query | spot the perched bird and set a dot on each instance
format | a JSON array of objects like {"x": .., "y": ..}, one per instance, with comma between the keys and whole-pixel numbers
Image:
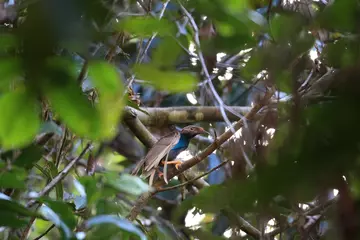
[{"x": 165, "y": 150}]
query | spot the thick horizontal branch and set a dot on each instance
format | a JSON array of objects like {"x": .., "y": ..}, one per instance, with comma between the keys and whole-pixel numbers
[
  {"x": 195, "y": 160},
  {"x": 220, "y": 140},
  {"x": 176, "y": 115}
]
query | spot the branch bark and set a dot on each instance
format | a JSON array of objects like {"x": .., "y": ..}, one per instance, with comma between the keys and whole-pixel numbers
[
  {"x": 141, "y": 202},
  {"x": 140, "y": 131},
  {"x": 176, "y": 115},
  {"x": 60, "y": 176}
]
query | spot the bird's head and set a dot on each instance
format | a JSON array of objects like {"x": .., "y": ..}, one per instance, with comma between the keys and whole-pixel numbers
[{"x": 192, "y": 130}]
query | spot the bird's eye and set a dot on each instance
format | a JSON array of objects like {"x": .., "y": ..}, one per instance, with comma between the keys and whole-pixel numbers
[{"x": 192, "y": 129}]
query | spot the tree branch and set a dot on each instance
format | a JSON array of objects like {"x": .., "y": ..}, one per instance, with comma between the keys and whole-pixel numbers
[
  {"x": 141, "y": 202},
  {"x": 132, "y": 121},
  {"x": 192, "y": 114},
  {"x": 60, "y": 176},
  {"x": 221, "y": 139}
]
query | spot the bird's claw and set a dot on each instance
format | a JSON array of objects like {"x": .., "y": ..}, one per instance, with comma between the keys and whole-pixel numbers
[{"x": 177, "y": 166}]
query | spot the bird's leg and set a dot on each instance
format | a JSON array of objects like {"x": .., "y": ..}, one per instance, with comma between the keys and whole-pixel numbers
[
  {"x": 160, "y": 173},
  {"x": 177, "y": 163}
]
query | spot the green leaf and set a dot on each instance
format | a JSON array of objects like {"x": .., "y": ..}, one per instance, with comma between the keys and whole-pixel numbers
[
  {"x": 105, "y": 77},
  {"x": 107, "y": 80},
  {"x": 284, "y": 81},
  {"x": 75, "y": 110},
  {"x": 52, "y": 216},
  {"x": 171, "y": 81},
  {"x": 63, "y": 210},
  {"x": 254, "y": 65},
  {"x": 11, "y": 219},
  {"x": 342, "y": 53},
  {"x": 146, "y": 26},
  {"x": 10, "y": 69},
  {"x": 8, "y": 41},
  {"x": 92, "y": 191},
  {"x": 340, "y": 15},
  {"x": 127, "y": 183},
  {"x": 19, "y": 120},
  {"x": 121, "y": 223},
  {"x": 14, "y": 207},
  {"x": 166, "y": 54},
  {"x": 28, "y": 157},
  {"x": 14, "y": 178},
  {"x": 58, "y": 187},
  {"x": 236, "y": 6},
  {"x": 285, "y": 26}
]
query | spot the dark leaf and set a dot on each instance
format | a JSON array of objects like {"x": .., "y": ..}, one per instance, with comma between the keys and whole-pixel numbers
[{"x": 28, "y": 157}]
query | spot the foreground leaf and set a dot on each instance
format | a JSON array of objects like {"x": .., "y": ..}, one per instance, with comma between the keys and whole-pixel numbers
[
  {"x": 107, "y": 80},
  {"x": 146, "y": 26},
  {"x": 19, "y": 120},
  {"x": 127, "y": 183},
  {"x": 171, "y": 81}
]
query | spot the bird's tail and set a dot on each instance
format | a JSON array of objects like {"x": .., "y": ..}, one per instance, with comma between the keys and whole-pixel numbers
[{"x": 137, "y": 168}]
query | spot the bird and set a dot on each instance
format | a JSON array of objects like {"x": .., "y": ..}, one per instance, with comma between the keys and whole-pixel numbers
[{"x": 165, "y": 151}]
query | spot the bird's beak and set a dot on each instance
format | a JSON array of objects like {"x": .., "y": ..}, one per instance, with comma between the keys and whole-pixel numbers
[{"x": 202, "y": 131}]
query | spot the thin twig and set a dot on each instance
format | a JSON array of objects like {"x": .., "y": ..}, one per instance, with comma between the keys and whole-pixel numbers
[
  {"x": 44, "y": 233},
  {"x": 143, "y": 53},
  {"x": 192, "y": 180},
  {"x": 203, "y": 65},
  {"x": 60, "y": 176},
  {"x": 58, "y": 157},
  {"x": 144, "y": 198}
]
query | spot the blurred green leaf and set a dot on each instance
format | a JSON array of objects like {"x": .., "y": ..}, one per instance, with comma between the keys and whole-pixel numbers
[
  {"x": 146, "y": 26},
  {"x": 91, "y": 189},
  {"x": 29, "y": 156},
  {"x": 105, "y": 78},
  {"x": 286, "y": 26},
  {"x": 235, "y": 6},
  {"x": 81, "y": 117},
  {"x": 127, "y": 183},
  {"x": 121, "y": 223},
  {"x": 10, "y": 70},
  {"x": 163, "y": 58},
  {"x": 20, "y": 119},
  {"x": 8, "y": 41},
  {"x": 11, "y": 219},
  {"x": 303, "y": 43},
  {"x": 254, "y": 65},
  {"x": 14, "y": 178},
  {"x": 341, "y": 15},
  {"x": 109, "y": 84},
  {"x": 342, "y": 53},
  {"x": 171, "y": 81},
  {"x": 284, "y": 81},
  {"x": 58, "y": 187},
  {"x": 14, "y": 207},
  {"x": 56, "y": 219},
  {"x": 63, "y": 210}
]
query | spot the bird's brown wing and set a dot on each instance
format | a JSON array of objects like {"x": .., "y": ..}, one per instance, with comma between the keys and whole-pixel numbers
[
  {"x": 156, "y": 153},
  {"x": 160, "y": 150}
]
